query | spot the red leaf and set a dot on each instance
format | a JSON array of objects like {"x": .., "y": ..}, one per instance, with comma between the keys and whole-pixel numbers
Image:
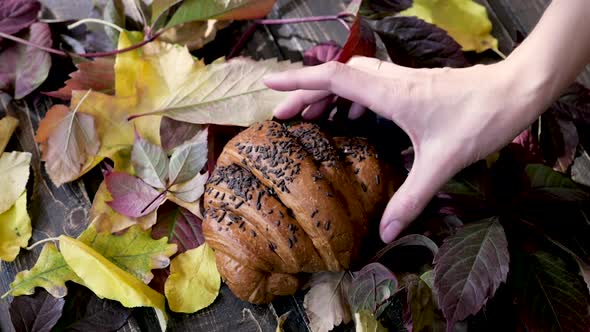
[
  {"x": 361, "y": 41},
  {"x": 322, "y": 53},
  {"x": 131, "y": 196},
  {"x": 469, "y": 268},
  {"x": 98, "y": 75},
  {"x": 16, "y": 15},
  {"x": 530, "y": 144},
  {"x": 180, "y": 226},
  {"x": 411, "y": 42}
]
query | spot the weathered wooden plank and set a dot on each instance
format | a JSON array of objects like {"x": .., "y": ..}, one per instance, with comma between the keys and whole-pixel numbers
[{"x": 522, "y": 16}]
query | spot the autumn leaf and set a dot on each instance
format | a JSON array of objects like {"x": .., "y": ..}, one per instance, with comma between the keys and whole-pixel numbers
[
  {"x": 97, "y": 75},
  {"x": 68, "y": 10},
  {"x": 37, "y": 313},
  {"x": 14, "y": 167},
  {"x": 370, "y": 289},
  {"x": 411, "y": 42},
  {"x": 49, "y": 272},
  {"x": 559, "y": 141},
  {"x": 364, "y": 321},
  {"x": 16, "y": 15},
  {"x": 325, "y": 303},
  {"x": 469, "y": 268},
  {"x": 212, "y": 94},
  {"x": 194, "y": 281},
  {"x": 68, "y": 139},
  {"x": 202, "y": 10},
  {"x": 109, "y": 281},
  {"x": 193, "y": 35},
  {"x": 135, "y": 251},
  {"x": 180, "y": 226},
  {"x": 109, "y": 220},
  {"x": 8, "y": 125},
  {"x": 188, "y": 159},
  {"x": 189, "y": 191},
  {"x": 550, "y": 295},
  {"x": 465, "y": 20},
  {"x": 408, "y": 240},
  {"x": 424, "y": 311},
  {"x": 131, "y": 196},
  {"x": 551, "y": 186},
  {"x": 174, "y": 133},
  {"x": 150, "y": 162},
  {"x": 15, "y": 229},
  {"x": 361, "y": 41}
]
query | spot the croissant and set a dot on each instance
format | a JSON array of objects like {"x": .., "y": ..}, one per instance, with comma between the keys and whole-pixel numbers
[{"x": 289, "y": 200}]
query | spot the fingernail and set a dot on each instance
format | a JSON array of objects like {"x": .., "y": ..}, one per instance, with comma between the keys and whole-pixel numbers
[{"x": 390, "y": 231}]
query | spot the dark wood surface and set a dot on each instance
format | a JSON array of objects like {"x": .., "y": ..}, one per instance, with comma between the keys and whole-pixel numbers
[{"x": 64, "y": 210}]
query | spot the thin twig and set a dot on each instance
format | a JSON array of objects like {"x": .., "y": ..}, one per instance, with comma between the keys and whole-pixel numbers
[
  {"x": 245, "y": 37},
  {"x": 51, "y": 239}
]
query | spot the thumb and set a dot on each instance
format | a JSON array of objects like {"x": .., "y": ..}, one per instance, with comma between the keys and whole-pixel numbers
[{"x": 424, "y": 180}]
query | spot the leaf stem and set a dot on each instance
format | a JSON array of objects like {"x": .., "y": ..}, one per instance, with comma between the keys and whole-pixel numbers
[
  {"x": 157, "y": 197},
  {"x": 51, "y": 239},
  {"x": 95, "y": 20},
  {"x": 83, "y": 55}
]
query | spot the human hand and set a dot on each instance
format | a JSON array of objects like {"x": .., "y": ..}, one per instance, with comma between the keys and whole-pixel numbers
[{"x": 453, "y": 117}]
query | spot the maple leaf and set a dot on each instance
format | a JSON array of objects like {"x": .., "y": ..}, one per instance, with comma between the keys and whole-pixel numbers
[
  {"x": 97, "y": 75},
  {"x": 7, "y": 126},
  {"x": 68, "y": 139},
  {"x": 14, "y": 167},
  {"x": 202, "y": 10},
  {"x": 16, "y": 15},
  {"x": 180, "y": 226},
  {"x": 411, "y": 42},
  {"x": 24, "y": 68},
  {"x": 49, "y": 272},
  {"x": 39, "y": 312},
  {"x": 469, "y": 268},
  {"x": 15, "y": 229},
  {"x": 194, "y": 281},
  {"x": 465, "y": 20},
  {"x": 325, "y": 303},
  {"x": 109, "y": 281}
]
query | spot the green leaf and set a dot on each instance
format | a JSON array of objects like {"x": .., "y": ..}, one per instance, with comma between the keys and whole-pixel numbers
[
  {"x": 469, "y": 268},
  {"x": 194, "y": 281},
  {"x": 426, "y": 315},
  {"x": 547, "y": 184},
  {"x": 14, "y": 170},
  {"x": 188, "y": 159},
  {"x": 135, "y": 251},
  {"x": 150, "y": 162},
  {"x": 364, "y": 321},
  {"x": 551, "y": 294},
  {"x": 15, "y": 229},
  {"x": 49, "y": 272},
  {"x": 201, "y": 10}
]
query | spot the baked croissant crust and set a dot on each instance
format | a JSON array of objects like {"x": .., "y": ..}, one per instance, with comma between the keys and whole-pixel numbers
[{"x": 284, "y": 201}]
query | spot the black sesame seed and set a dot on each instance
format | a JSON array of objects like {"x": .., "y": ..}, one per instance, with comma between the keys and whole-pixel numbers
[
  {"x": 237, "y": 206},
  {"x": 327, "y": 226},
  {"x": 364, "y": 186},
  {"x": 314, "y": 213},
  {"x": 290, "y": 243},
  {"x": 216, "y": 194},
  {"x": 253, "y": 233},
  {"x": 377, "y": 179},
  {"x": 318, "y": 224}
]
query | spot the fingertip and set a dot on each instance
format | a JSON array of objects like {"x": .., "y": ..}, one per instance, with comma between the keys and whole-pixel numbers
[
  {"x": 389, "y": 230},
  {"x": 356, "y": 111},
  {"x": 274, "y": 81}
]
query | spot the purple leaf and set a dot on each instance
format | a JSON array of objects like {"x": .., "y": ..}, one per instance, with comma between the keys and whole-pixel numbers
[
  {"x": 408, "y": 240},
  {"x": 322, "y": 53},
  {"x": 84, "y": 311},
  {"x": 411, "y": 42},
  {"x": 371, "y": 287},
  {"x": 574, "y": 104},
  {"x": 131, "y": 196},
  {"x": 150, "y": 162},
  {"x": 469, "y": 268},
  {"x": 174, "y": 133},
  {"x": 36, "y": 313},
  {"x": 550, "y": 294},
  {"x": 361, "y": 41},
  {"x": 16, "y": 15},
  {"x": 24, "y": 68},
  {"x": 559, "y": 141},
  {"x": 180, "y": 226}
]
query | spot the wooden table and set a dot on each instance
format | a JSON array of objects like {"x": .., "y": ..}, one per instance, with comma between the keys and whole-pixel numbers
[{"x": 56, "y": 211}]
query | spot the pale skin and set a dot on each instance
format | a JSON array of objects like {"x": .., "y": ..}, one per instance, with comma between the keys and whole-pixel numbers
[{"x": 454, "y": 117}]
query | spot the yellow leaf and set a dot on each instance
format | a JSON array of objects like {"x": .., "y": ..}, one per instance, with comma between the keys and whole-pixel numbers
[
  {"x": 365, "y": 322},
  {"x": 7, "y": 126},
  {"x": 109, "y": 220},
  {"x": 194, "y": 281},
  {"x": 107, "y": 280},
  {"x": 15, "y": 228},
  {"x": 14, "y": 175},
  {"x": 465, "y": 20},
  {"x": 135, "y": 251},
  {"x": 50, "y": 272}
]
